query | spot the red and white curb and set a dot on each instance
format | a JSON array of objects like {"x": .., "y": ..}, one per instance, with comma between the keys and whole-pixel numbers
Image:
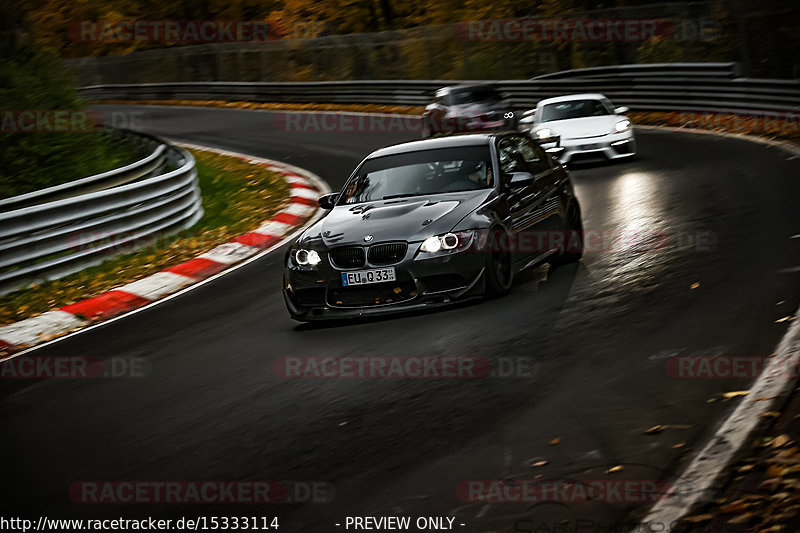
[{"x": 303, "y": 209}]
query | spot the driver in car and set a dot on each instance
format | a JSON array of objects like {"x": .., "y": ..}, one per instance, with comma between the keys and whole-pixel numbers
[{"x": 480, "y": 173}]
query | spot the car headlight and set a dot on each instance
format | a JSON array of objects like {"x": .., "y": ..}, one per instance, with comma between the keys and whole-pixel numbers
[
  {"x": 453, "y": 241},
  {"x": 306, "y": 257},
  {"x": 543, "y": 133},
  {"x": 622, "y": 125}
]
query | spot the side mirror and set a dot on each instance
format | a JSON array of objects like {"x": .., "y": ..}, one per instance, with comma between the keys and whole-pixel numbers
[
  {"x": 556, "y": 152},
  {"x": 529, "y": 113},
  {"x": 547, "y": 140},
  {"x": 328, "y": 201},
  {"x": 520, "y": 179},
  {"x": 621, "y": 110}
]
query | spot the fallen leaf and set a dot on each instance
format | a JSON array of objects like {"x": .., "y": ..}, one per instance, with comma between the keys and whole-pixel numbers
[
  {"x": 734, "y": 394},
  {"x": 745, "y": 468},
  {"x": 770, "y": 414},
  {"x": 774, "y": 471},
  {"x": 697, "y": 518},
  {"x": 555, "y": 441},
  {"x": 538, "y": 464},
  {"x": 785, "y": 319},
  {"x": 779, "y": 441},
  {"x": 737, "y": 506},
  {"x": 655, "y": 430},
  {"x": 694, "y": 285},
  {"x": 614, "y": 469},
  {"x": 679, "y": 445},
  {"x": 741, "y": 519},
  {"x": 342, "y": 423}
]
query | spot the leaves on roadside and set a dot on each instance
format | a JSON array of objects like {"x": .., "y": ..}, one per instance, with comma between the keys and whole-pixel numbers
[
  {"x": 735, "y": 394},
  {"x": 614, "y": 469},
  {"x": 655, "y": 430},
  {"x": 697, "y": 518},
  {"x": 555, "y": 441},
  {"x": 780, "y": 440}
]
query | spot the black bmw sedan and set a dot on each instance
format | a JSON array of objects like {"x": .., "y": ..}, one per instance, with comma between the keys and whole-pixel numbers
[{"x": 430, "y": 222}]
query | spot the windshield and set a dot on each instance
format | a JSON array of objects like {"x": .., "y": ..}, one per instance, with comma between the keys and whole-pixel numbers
[
  {"x": 475, "y": 94},
  {"x": 573, "y": 109},
  {"x": 443, "y": 170}
]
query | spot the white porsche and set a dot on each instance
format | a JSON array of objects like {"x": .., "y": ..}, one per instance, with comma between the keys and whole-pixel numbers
[{"x": 587, "y": 124}]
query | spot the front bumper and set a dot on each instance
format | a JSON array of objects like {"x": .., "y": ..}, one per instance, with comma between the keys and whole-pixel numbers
[
  {"x": 318, "y": 294},
  {"x": 610, "y": 146}
]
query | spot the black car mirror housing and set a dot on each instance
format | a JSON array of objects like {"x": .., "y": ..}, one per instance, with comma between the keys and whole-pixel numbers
[
  {"x": 328, "y": 201},
  {"x": 520, "y": 179}
]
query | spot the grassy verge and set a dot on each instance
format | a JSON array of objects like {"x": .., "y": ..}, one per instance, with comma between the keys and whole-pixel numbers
[
  {"x": 778, "y": 128},
  {"x": 237, "y": 197},
  {"x": 353, "y": 108}
]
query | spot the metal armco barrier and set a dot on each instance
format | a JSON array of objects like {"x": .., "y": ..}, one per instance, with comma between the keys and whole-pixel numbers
[
  {"x": 78, "y": 224},
  {"x": 661, "y": 87}
]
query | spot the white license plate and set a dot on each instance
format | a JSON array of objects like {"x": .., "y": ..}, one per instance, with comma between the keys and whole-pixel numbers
[
  {"x": 364, "y": 277},
  {"x": 589, "y": 146}
]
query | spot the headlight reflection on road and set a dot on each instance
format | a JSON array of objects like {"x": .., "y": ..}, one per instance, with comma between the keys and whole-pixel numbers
[{"x": 636, "y": 202}]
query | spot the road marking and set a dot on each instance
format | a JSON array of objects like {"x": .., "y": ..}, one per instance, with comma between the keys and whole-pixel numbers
[
  {"x": 274, "y": 228},
  {"x": 32, "y": 330},
  {"x": 157, "y": 285},
  {"x": 299, "y": 210},
  {"x": 709, "y": 467},
  {"x": 229, "y": 253},
  {"x": 305, "y": 193}
]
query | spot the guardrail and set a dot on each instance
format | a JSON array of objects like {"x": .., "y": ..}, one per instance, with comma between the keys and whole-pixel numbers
[
  {"x": 119, "y": 176},
  {"x": 673, "y": 87},
  {"x": 683, "y": 70},
  {"x": 122, "y": 208}
]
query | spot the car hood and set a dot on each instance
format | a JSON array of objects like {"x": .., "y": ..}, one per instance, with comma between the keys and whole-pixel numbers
[
  {"x": 402, "y": 219},
  {"x": 578, "y": 128}
]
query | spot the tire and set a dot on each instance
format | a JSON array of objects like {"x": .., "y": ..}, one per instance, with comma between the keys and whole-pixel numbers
[
  {"x": 573, "y": 242},
  {"x": 499, "y": 271}
]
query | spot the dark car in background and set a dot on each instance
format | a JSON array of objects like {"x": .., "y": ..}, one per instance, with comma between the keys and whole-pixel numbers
[
  {"x": 468, "y": 107},
  {"x": 431, "y": 222}
]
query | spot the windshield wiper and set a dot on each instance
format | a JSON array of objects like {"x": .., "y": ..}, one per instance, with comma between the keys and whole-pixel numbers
[{"x": 403, "y": 195}]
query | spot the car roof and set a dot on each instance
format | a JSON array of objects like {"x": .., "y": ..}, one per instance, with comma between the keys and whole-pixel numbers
[
  {"x": 446, "y": 141},
  {"x": 570, "y": 97},
  {"x": 462, "y": 86}
]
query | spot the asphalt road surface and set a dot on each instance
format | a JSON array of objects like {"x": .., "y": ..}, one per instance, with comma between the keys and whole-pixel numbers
[{"x": 589, "y": 346}]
